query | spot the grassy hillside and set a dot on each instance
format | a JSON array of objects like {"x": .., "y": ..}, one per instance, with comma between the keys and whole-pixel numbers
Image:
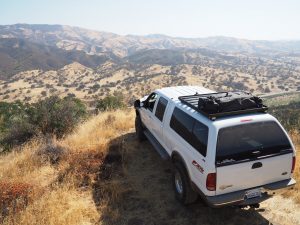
[
  {"x": 286, "y": 108},
  {"x": 17, "y": 55},
  {"x": 134, "y": 79},
  {"x": 100, "y": 174},
  {"x": 51, "y": 182}
]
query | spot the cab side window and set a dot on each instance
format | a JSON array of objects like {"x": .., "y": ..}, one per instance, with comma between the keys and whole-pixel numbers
[
  {"x": 161, "y": 107},
  {"x": 182, "y": 124},
  {"x": 192, "y": 131},
  {"x": 200, "y": 137},
  {"x": 151, "y": 101}
]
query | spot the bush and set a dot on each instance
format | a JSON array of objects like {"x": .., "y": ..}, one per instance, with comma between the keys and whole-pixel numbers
[
  {"x": 95, "y": 87},
  {"x": 9, "y": 111},
  {"x": 15, "y": 126},
  {"x": 57, "y": 116},
  {"x": 53, "y": 115},
  {"x": 110, "y": 103},
  {"x": 19, "y": 131}
]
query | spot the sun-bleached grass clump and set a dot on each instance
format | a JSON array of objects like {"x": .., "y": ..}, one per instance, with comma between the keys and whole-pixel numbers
[{"x": 95, "y": 134}]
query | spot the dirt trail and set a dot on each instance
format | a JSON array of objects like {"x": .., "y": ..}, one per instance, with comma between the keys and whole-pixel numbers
[
  {"x": 147, "y": 197},
  {"x": 281, "y": 210}
]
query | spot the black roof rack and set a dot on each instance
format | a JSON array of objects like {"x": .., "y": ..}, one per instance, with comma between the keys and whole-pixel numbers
[{"x": 192, "y": 101}]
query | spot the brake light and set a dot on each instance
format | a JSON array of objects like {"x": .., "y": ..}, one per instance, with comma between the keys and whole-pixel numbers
[
  {"x": 211, "y": 181},
  {"x": 293, "y": 164},
  {"x": 246, "y": 120}
]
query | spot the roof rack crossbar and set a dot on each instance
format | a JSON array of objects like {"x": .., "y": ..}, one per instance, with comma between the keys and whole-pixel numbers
[{"x": 192, "y": 102}]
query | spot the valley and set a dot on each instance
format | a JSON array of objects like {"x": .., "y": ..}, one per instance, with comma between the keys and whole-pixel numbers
[{"x": 36, "y": 62}]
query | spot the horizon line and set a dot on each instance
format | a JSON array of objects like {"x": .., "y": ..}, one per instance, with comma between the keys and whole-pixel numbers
[{"x": 153, "y": 34}]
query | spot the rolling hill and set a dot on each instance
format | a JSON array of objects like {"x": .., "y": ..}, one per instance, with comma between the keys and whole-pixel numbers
[
  {"x": 17, "y": 55},
  {"x": 42, "y": 60}
]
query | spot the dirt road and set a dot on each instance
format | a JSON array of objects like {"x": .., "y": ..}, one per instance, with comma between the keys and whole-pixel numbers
[{"x": 139, "y": 183}]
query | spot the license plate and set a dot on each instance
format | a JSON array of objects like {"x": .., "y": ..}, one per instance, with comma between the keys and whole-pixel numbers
[{"x": 253, "y": 193}]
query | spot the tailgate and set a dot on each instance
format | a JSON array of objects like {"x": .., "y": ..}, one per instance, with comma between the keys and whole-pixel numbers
[{"x": 255, "y": 173}]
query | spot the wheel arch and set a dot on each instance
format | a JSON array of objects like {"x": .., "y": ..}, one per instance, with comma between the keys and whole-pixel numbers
[{"x": 176, "y": 157}]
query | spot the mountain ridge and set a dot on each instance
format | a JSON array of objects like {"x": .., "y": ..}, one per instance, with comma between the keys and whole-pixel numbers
[
  {"x": 97, "y": 42},
  {"x": 38, "y": 61}
]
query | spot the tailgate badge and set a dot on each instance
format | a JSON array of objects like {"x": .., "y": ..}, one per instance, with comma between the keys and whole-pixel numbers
[{"x": 223, "y": 187}]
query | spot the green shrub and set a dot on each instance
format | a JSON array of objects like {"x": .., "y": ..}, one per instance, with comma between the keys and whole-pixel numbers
[
  {"x": 57, "y": 116},
  {"x": 110, "y": 103},
  {"x": 19, "y": 131},
  {"x": 15, "y": 126},
  {"x": 53, "y": 115}
]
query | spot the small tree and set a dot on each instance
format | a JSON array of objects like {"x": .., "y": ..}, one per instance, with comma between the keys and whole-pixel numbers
[
  {"x": 110, "y": 103},
  {"x": 44, "y": 93}
]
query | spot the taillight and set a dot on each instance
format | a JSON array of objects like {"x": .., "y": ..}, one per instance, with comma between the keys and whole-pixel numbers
[
  {"x": 246, "y": 120},
  {"x": 211, "y": 181},
  {"x": 293, "y": 164}
]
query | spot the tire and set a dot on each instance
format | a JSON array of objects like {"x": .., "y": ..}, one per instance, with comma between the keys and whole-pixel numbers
[
  {"x": 139, "y": 129},
  {"x": 186, "y": 195}
]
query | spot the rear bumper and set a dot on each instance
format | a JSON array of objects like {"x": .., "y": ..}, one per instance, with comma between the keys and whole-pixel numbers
[{"x": 238, "y": 197}]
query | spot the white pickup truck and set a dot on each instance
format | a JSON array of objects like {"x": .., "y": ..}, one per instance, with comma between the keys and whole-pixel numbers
[{"x": 235, "y": 159}]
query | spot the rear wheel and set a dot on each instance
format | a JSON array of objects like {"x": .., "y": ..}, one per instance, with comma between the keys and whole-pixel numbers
[
  {"x": 181, "y": 183},
  {"x": 139, "y": 129}
]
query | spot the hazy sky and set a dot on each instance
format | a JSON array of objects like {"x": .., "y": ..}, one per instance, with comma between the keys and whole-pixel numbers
[{"x": 251, "y": 19}]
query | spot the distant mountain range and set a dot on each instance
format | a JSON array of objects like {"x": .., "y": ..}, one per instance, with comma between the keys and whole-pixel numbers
[
  {"x": 39, "y": 60},
  {"x": 50, "y": 47},
  {"x": 95, "y": 42}
]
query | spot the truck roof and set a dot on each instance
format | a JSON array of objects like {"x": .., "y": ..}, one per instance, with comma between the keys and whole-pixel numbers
[{"x": 174, "y": 92}]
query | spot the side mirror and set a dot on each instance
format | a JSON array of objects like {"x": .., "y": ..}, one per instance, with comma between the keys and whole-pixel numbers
[{"x": 137, "y": 104}]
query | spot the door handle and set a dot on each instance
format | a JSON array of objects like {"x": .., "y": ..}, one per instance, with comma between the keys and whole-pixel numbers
[{"x": 257, "y": 165}]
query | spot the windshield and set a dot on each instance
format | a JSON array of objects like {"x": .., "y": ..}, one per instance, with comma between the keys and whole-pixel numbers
[{"x": 250, "y": 141}]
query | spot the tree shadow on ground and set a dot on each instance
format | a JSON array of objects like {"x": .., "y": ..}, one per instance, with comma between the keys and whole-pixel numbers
[{"x": 134, "y": 187}]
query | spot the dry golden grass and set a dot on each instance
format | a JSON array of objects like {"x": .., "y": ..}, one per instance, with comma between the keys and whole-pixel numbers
[
  {"x": 95, "y": 134},
  {"x": 72, "y": 192},
  {"x": 23, "y": 165},
  {"x": 57, "y": 194},
  {"x": 295, "y": 192},
  {"x": 63, "y": 205}
]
